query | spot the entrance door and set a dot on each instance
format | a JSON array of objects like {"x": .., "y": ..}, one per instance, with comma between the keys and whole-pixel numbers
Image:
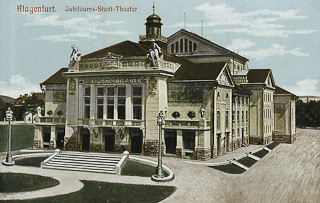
[
  {"x": 85, "y": 134},
  {"x": 242, "y": 137},
  {"x": 136, "y": 141},
  {"x": 228, "y": 140},
  {"x": 109, "y": 140},
  {"x": 170, "y": 138},
  {"x": 60, "y": 138},
  {"x": 218, "y": 145}
]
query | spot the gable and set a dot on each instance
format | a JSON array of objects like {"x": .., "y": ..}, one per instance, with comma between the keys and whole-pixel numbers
[
  {"x": 269, "y": 81},
  {"x": 224, "y": 78},
  {"x": 183, "y": 42},
  {"x": 188, "y": 43}
]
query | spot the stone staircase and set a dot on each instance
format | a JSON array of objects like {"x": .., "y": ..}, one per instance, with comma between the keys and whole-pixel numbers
[{"x": 83, "y": 161}]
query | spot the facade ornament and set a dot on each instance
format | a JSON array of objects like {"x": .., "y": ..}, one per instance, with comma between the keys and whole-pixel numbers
[
  {"x": 72, "y": 86},
  {"x": 75, "y": 55},
  {"x": 154, "y": 54},
  {"x": 202, "y": 112},
  {"x": 152, "y": 86},
  {"x": 93, "y": 129}
]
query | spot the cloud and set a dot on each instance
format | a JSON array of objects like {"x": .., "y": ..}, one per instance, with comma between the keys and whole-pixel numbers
[
  {"x": 242, "y": 46},
  {"x": 81, "y": 27},
  {"x": 260, "y": 23},
  {"x": 306, "y": 87},
  {"x": 17, "y": 85}
]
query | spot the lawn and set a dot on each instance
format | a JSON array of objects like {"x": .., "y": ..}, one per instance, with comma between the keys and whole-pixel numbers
[
  {"x": 272, "y": 145},
  {"x": 248, "y": 162},
  {"x": 32, "y": 161},
  {"x": 112, "y": 192},
  {"x": 22, "y": 137},
  {"x": 261, "y": 153},
  {"x": 138, "y": 169},
  {"x": 18, "y": 182},
  {"x": 230, "y": 168}
]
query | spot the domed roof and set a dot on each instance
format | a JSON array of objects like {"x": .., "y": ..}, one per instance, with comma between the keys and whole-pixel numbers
[{"x": 153, "y": 16}]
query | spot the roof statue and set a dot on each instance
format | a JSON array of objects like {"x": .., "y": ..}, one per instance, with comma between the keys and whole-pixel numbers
[
  {"x": 154, "y": 54},
  {"x": 75, "y": 55}
]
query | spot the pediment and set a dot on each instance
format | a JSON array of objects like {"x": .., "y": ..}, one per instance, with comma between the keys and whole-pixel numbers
[
  {"x": 203, "y": 45},
  {"x": 224, "y": 78},
  {"x": 270, "y": 81}
]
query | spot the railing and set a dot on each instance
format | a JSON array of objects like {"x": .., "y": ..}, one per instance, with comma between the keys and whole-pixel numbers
[
  {"x": 110, "y": 122},
  {"x": 52, "y": 120},
  {"x": 185, "y": 124},
  {"x": 56, "y": 152},
  {"x": 145, "y": 37},
  {"x": 122, "y": 163}
]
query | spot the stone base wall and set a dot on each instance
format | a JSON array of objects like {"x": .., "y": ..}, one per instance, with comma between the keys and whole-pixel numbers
[
  {"x": 256, "y": 140},
  {"x": 282, "y": 137},
  {"x": 203, "y": 153},
  {"x": 121, "y": 147},
  {"x": 52, "y": 144},
  {"x": 214, "y": 152},
  {"x": 179, "y": 152},
  {"x": 70, "y": 143},
  {"x": 96, "y": 147},
  {"x": 150, "y": 147},
  {"x": 36, "y": 144}
]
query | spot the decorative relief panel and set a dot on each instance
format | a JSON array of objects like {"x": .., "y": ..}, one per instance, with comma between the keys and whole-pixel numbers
[
  {"x": 59, "y": 96},
  {"x": 185, "y": 95}
]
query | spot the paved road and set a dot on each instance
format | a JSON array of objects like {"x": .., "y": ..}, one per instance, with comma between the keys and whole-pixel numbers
[{"x": 290, "y": 173}]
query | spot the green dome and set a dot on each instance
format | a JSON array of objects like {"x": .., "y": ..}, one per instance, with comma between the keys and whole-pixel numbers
[{"x": 153, "y": 16}]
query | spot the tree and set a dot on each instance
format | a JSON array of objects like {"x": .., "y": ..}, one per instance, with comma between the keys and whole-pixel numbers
[
  {"x": 3, "y": 108},
  {"x": 191, "y": 114},
  {"x": 60, "y": 113},
  {"x": 176, "y": 114},
  {"x": 50, "y": 112}
]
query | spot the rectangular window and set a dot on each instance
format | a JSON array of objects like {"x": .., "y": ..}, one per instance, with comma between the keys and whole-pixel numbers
[
  {"x": 100, "y": 94},
  {"x": 177, "y": 46},
  {"x": 189, "y": 140},
  {"x": 87, "y": 102},
  {"x": 227, "y": 119},
  {"x": 121, "y": 102},
  {"x": 185, "y": 45},
  {"x": 181, "y": 45},
  {"x": 137, "y": 102},
  {"x": 110, "y": 103},
  {"x": 172, "y": 48},
  {"x": 218, "y": 120},
  {"x": 242, "y": 116},
  {"x": 195, "y": 47},
  {"x": 190, "y": 46}
]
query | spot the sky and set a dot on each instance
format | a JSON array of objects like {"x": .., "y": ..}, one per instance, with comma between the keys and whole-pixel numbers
[{"x": 279, "y": 35}]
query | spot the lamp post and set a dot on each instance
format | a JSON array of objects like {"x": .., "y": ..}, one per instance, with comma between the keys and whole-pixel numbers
[
  {"x": 9, "y": 161},
  {"x": 160, "y": 122}
]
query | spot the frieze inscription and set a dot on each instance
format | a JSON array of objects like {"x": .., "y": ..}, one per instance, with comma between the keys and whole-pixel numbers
[{"x": 111, "y": 81}]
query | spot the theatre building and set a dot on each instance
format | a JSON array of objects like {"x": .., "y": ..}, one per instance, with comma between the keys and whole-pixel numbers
[{"x": 109, "y": 100}]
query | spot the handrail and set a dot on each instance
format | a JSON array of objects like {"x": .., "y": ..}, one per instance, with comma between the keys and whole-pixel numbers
[
  {"x": 122, "y": 162},
  {"x": 56, "y": 152}
]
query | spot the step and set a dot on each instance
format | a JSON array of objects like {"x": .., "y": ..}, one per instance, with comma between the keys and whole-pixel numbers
[
  {"x": 266, "y": 148},
  {"x": 81, "y": 169},
  {"x": 90, "y": 154},
  {"x": 86, "y": 159},
  {"x": 84, "y": 162},
  {"x": 81, "y": 166},
  {"x": 253, "y": 157},
  {"x": 239, "y": 164}
]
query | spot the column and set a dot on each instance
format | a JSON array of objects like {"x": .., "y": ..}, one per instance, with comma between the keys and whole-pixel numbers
[{"x": 53, "y": 144}]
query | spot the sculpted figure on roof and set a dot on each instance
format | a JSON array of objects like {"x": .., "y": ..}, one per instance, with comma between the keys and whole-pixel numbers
[
  {"x": 75, "y": 55},
  {"x": 154, "y": 54}
]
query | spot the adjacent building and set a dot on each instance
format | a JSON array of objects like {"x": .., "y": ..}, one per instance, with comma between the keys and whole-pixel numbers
[{"x": 108, "y": 100}]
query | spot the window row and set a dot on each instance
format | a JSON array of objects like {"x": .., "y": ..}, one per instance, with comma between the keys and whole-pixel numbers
[
  {"x": 267, "y": 97},
  {"x": 183, "y": 46},
  {"x": 111, "y": 101}
]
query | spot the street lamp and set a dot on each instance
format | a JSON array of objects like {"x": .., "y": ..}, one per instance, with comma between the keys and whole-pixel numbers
[
  {"x": 160, "y": 122},
  {"x": 9, "y": 161}
]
